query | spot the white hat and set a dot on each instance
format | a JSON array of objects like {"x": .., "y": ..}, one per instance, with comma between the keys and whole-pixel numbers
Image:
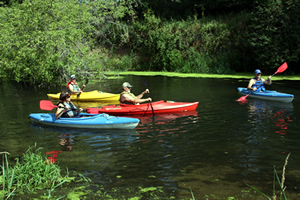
[
  {"x": 73, "y": 76},
  {"x": 126, "y": 84}
]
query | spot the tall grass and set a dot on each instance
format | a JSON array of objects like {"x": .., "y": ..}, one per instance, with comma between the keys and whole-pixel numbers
[
  {"x": 29, "y": 174},
  {"x": 276, "y": 180}
]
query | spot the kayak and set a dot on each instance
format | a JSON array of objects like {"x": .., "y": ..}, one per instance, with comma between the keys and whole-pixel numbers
[
  {"x": 94, "y": 95},
  {"x": 86, "y": 120},
  {"x": 267, "y": 95},
  {"x": 146, "y": 108}
]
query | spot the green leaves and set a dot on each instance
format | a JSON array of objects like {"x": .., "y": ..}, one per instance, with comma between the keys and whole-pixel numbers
[
  {"x": 41, "y": 40},
  {"x": 273, "y": 32}
]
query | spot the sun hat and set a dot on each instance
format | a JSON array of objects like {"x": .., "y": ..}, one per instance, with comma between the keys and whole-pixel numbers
[
  {"x": 126, "y": 84},
  {"x": 73, "y": 76},
  {"x": 257, "y": 71}
]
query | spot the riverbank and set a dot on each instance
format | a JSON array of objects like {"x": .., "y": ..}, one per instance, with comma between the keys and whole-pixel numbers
[{"x": 196, "y": 75}]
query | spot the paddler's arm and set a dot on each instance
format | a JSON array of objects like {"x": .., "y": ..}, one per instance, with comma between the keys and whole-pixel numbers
[
  {"x": 251, "y": 82},
  {"x": 268, "y": 81},
  {"x": 82, "y": 88},
  {"x": 142, "y": 94},
  {"x": 128, "y": 98},
  {"x": 59, "y": 111}
]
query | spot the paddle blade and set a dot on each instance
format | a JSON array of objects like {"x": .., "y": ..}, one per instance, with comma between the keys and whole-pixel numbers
[
  {"x": 46, "y": 105},
  {"x": 92, "y": 110},
  {"x": 243, "y": 98},
  {"x": 282, "y": 68},
  {"x": 145, "y": 83}
]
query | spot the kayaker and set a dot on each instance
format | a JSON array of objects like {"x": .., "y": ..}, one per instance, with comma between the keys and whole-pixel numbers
[
  {"x": 65, "y": 107},
  {"x": 127, "y": 97},
  {"x": 72, "y": 86},
  {"x": 257, "y": 83}
]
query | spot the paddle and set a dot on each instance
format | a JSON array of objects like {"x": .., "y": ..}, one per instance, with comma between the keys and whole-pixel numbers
[
  {"x": 48, "y": 105},
  {"x": 146, "y": 85},
  {"x": 280, "y": 69},
  {"x": 86, "y": 82}
]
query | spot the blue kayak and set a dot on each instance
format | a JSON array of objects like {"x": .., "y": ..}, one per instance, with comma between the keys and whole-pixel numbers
[
  {"x": 85, "y": 120},
  {"x": 267, "y": 95}
]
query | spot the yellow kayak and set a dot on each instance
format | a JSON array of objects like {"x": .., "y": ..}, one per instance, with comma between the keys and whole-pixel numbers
[{"x": 89, "y": 96}]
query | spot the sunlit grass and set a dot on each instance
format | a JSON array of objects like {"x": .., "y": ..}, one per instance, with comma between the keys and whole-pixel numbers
[
  {"x": 196, "y": 75},
  {"x": 30, "y": 173}
]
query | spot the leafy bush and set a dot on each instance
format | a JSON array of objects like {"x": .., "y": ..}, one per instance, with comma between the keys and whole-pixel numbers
[{"x": 193, "y": 45}]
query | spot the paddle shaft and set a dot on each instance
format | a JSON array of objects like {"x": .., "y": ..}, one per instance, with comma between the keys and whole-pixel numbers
[
  {"x": 86, "y": 82},
  {"x": 146, "y": 85}
]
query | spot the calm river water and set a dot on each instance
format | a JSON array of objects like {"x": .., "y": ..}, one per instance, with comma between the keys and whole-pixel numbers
[{"x": 213, "y": 152}]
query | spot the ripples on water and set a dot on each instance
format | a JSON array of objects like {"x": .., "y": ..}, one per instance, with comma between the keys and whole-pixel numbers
[{"x": 215, "y": 150}]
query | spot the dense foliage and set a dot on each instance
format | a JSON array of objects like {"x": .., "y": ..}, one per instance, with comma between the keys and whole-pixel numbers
[
  {"x": 43, "y": 40},
  {"x": 273, "y": 33},
  {"x": 193, "y": 45},
  {"x": 46, "y": 41}
]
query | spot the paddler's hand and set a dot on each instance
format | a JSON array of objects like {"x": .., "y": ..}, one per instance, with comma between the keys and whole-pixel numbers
[
  {"x": 254, "y": 89},
  {"x": 149, "y": 99},
  {"x": 146, "y": 91}
]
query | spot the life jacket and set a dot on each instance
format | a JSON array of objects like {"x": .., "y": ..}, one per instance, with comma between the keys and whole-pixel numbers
[
  {"x": 259, "y": 84},
  {"x": 75, "y": 86},
  {"x": 127, "y": 102},
  {"x": 71, "y": 112}
]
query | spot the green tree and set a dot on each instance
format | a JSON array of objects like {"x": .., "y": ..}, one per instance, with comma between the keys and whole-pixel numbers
[
  {"x": 274, "y": 33},
  {"x": 43, "y": 40}
]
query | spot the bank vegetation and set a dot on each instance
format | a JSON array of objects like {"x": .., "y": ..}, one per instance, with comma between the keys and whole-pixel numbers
[{"x": 45, "y": 41}]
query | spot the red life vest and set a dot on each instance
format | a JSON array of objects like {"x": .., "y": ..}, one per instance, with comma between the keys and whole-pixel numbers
[{"x": 75, "y": 86}]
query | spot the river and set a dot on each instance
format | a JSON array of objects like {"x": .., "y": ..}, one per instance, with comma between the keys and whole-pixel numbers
[{"x": 212, "y": 153}]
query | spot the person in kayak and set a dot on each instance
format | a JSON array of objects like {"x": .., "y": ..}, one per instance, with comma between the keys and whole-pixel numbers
[
  {"x": 257, "y": 83},
  {"x": 72, "y": 86},
  {"x": 65, "y": 107},
  {"x": 127, "y": 97}
]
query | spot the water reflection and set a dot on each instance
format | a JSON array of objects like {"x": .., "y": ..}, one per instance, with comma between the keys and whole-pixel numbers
[
  {"x": 277, "y": 113},
  {"x": 166, "y": 124},
  {"x": 94, "y": 140}
]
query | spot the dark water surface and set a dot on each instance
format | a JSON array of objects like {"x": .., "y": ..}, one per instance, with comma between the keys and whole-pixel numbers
[{"x": 213, "y": 152}]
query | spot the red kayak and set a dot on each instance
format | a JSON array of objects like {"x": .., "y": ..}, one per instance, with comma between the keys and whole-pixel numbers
[{"x": 159, "y": 107}]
